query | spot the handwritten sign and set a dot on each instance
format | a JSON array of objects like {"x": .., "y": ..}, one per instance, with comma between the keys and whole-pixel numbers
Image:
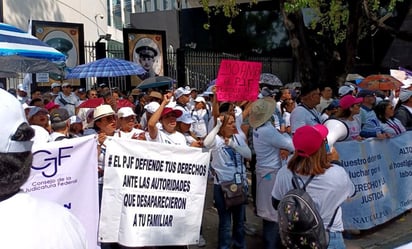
[
  {"x": 238, "y": 80},
  {"x": 153, "y": 194}
]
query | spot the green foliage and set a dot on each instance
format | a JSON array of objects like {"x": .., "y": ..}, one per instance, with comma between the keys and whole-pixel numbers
[{"x": 229, "y": 8}]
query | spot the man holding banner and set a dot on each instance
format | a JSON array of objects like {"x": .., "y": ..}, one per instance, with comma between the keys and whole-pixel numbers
[{"x": 27, "y": 222}]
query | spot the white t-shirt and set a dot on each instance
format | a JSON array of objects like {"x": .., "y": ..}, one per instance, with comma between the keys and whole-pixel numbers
[
  {"x": 328, "y": 192},
  {"x": 222, "y": 161},
  {"x": 201, "y": 120},
  {"x": 301, "y": 116},
  {"x": 267, "y": 142},
  {"x": 133, "y": 134},
  {"x": 354, "y": 127},
  {"x": 28, "y": 222},
  {"x": 165, "y": 137}
]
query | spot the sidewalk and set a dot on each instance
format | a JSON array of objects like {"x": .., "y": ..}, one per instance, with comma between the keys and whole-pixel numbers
[{"x": 390, "y": 235}]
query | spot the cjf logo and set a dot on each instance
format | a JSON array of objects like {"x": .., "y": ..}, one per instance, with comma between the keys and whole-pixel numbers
[{"x": 51, "y": 161}]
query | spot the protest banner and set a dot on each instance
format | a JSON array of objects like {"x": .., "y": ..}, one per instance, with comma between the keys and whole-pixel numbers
[
  {"x": 65, "y": 172},
  {"x": 381, "y": 171},
  {"x": 238, "y": 80},
  {"x": 153, "y": 194}
]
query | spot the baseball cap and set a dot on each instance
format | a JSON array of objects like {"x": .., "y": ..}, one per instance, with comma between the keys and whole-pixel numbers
[
  {"x": 152, "y": 107},
  {"x": 59, "y": 115},
  {"x": 344, "y": 90},
  {"x": 308, "y": 139},
  {"x": 186, "y": 118},
  {"x": 55, "y": 84},
  {"x": 51, "y": 105},
  {"x": 200, "y": 99},
  {"x": 365, "y": 92},
  {"x": 66, "y": 84},
  {"x": 20, "y": 87},
  {"x": 168, "y": 110},
  {"x": 81, "y": 90},
  {"x": 181, "y": 91},
  {"x": 75, "y": 120},
  {"x": 102, "y": 111},
  {"x": 404, "y": 95},
  {"x": 348, "y": 100},
  {"x": 33, "y": 111},
  {"x": 125, "y": 112},
  {"x": 12, "y": 111}
]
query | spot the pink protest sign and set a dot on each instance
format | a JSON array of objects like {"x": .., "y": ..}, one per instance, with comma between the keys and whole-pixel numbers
[{"x": 238, "y": 80}]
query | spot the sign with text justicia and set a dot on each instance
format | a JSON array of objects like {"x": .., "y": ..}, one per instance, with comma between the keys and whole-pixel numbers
[
  {"x": 153, "y": 194},
  {"x": 382, "y": 173}
]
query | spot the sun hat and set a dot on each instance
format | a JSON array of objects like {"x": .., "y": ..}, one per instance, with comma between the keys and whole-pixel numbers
[
  {"x": 125, "y": 112},
  {"x": 11, "y": 111},
  {"x": 66, "y": 84},
  {"x": 261, "y": 111},
  {"x": 404, "y": 95},
  {"x": 181, "y": 91},
  {"x": 135, "y": 91},
  {"x": 348, "y": 100},
  {"x": 200, "y": 99},
  {"x": 168, "y": 110},
  {"x": 59, "y": 115},
  {"x": 186, "y": 118},
  {"x": 152, "y": 107},
  {"x": 102, "y": 111},
  {"x": 156, "y": 94},
  {"x": 344, "y": 90},
  {"x": 308, "y": 139},
  {"x": 33, "y": 111}
]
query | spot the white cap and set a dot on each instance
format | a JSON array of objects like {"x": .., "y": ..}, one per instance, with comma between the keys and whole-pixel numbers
[
  {"x": 75, "y": 120},
  {"x": 11, "y": 111},
  {"x": 152, "y": 107},
  {"x": 200, "y": 99},
  {"x": 343, "y": 90},
  {"x": 186, "y": 118},
  {"x": 125, "y": 112},
  {"x": 21, "y": 87},
  {"x": 181, "y": 91},
  {"x": 55, "y": 84}
]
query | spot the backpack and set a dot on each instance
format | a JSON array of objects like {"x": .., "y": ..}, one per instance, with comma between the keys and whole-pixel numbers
[{"x": 300, "y": 224}]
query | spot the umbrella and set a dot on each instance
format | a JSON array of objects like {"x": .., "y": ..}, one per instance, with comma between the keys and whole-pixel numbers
[
  {"x": 157, "y": 81},
  {"x": 93, "y": 103},
  {"x": 106, "y": 67},
  {"x": 380, "y": 82},
  {"x": 270, "y": 79},
  {"x": 24, "y": 53}
]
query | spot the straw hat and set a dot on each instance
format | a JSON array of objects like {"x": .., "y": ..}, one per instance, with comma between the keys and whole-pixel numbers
[{"x": 102, "y": 111}]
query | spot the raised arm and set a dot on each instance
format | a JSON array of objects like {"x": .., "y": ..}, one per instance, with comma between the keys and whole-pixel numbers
[{"x": 151, "y": 124}]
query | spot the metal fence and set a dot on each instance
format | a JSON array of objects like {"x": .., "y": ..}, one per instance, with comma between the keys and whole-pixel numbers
[{"x": 199, "y": 67}]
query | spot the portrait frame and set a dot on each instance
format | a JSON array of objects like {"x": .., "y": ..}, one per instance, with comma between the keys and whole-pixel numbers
[
  {"x": 135, "y": 38},
  {"x": 70, "y": 39}
]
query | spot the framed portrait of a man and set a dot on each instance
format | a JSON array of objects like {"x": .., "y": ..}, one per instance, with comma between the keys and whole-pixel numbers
[
  {"x": 67, "y": 38},
  {"x": 148, "y": 49}
]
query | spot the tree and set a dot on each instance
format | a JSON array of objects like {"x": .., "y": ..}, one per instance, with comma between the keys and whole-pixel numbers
[{"x": 325, "y": 47}]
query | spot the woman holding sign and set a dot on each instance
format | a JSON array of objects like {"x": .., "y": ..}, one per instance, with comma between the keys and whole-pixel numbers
[{"x": 228, "y": 151}]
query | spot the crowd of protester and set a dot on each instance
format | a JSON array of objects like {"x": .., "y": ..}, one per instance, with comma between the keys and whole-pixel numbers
[{"x": 257, "y": 135}]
